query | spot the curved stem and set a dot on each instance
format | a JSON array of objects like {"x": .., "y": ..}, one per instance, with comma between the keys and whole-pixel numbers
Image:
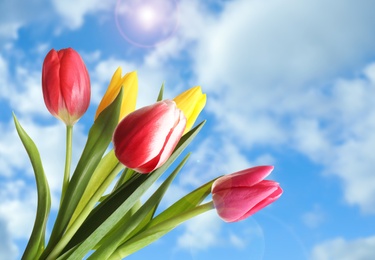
[{"x": 68, "y": 160}]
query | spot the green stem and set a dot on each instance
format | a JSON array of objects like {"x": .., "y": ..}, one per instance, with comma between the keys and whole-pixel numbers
[
  {"x": 176, "y": 220},
  {"x": 84, "y": 213},
  {"x": 68, "y": 160}
]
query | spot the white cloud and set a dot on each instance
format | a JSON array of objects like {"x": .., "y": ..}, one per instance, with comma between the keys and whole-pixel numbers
[
  {"x": 310, "y": 139},
  {"x": 277, "y": 43},
  {"x": 27, "y": 87},
  {"x": 71, "y": 14},
  {"x": 74, "y": 12},
  {"x": 8, "y": 250},
  {"x": 12, "y": 155},
  {"x": 342, "y": 137},
  {"x": 278, "y": 71},
  {"x": 18, "y": 207},
  {"x": 17, "y": 13},
  {"x": 201, "y": 232},
  {"x": 4, "y": 74},
  {"x": 270, "y": 59},
  {"x": 339, "y": 248},
  {"x": 9, "y": 30}
]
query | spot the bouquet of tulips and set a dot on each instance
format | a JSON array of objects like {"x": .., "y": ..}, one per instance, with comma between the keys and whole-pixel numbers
[{"x": 127, "y": 150}]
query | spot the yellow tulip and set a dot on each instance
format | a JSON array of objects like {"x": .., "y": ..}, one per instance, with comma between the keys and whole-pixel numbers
[
  {"x": 129, "y": 83},
  {"x": 191, "y": 102}
]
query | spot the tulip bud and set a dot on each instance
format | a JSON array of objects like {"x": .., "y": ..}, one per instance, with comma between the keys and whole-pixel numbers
[
  {"x": 145, "y": 138},
  {"x": 238, "y": 195},
  {"x": 129, "y": 83},
  {"x": 66, "y": 85},
  {"x": 191, "y": 102}
]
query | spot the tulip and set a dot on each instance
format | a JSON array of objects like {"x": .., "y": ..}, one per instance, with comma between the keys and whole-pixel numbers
[
  {"x": 66, "y": 85},
  {"x": 145, "y": 138},
  {"x": 238, "y": 195},
  {"x": 129, "y": 83},
  {"x": 191, "y": 102}
]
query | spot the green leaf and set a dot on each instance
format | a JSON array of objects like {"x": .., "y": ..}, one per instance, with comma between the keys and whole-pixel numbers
[
  {"x": 65, "y": 255},
  {"x": 151, "y": 234},
  {"x": 102, "y": 211},
  {"x": 109, "y": 169},
  {"x": 155, "y": 199},
  {"x": 125, "y": 176},
  {"x": 100, "y": 176},
  {"x": 137, "y": 221},
  {"x": 161, "y": 91},
  {"x": 186, "y": 203},
  {"x": 127, "y": 203},
  {"x": 153, "y": 231},
  {"x": 100, "y": 136},
  {"x": 36, "y": 241}
]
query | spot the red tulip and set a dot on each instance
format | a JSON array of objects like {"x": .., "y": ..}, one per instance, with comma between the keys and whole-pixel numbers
[
  {"x": 238, "y": 195},
  {"x": 145, "y": 138},
  {"x": 66, "y": 85}
]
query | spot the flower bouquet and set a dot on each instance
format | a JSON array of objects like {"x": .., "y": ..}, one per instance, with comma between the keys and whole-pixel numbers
[{"x": 102, "y": 214}]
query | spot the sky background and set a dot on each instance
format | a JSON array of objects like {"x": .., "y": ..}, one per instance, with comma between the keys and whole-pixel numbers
[{"x": 290, "y": 83}]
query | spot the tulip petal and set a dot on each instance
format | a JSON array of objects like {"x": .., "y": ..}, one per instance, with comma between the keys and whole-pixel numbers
[
  {"x": 201, "y": 102},
  {"x": 234, "y": 204},
  {"x": 244, "y": 178},
  {"x": 173, "y": 139},
  {"x": 66, "y": 85},
  {"x": 170, "y": 143},
  {"x": 129, "y": 84},
  {"x": 50, "y": 82},
  {"x": 144, "y": 138},
  {"x": 146, "y": 130},
  {"x": 191, "y": 102},
  {"x": 111, "y": 92},
  {"x": 271, "y": 198}
]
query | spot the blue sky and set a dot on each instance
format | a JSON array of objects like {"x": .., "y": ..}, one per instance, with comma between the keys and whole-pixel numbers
[{"x": 289, "y": 83}]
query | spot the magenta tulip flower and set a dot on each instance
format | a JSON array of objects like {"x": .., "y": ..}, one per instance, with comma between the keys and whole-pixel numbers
[
  {"x": 66, "y": 85},
  {"x": 238, "y": 195},
  {"x": 145, "y": 138}
]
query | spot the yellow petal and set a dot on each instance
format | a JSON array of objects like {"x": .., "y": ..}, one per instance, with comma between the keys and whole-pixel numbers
[
  {"x": 130, "y": 86},
  {"x": 195, "y": 113},
  {"x": 191, "y": 102},
  {"x": 129, "y": 83},
  {"x": 111, "y": 93}
]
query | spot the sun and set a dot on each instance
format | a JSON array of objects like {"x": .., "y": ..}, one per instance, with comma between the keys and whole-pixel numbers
[
  {"x": 146, "y": 23},
  {"x": 147, "y": 16}
]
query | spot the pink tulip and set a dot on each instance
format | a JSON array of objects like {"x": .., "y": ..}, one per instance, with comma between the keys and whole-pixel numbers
[
  {"x": 145, "y": 138},
  {"x": 238, "y": 195},
  {"x": 66, "y": 85}
]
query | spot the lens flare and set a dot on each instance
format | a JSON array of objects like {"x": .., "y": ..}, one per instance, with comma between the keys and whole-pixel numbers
[
  {"x": 146, "y": 23},
  {"x": 147, "y": 17}
]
